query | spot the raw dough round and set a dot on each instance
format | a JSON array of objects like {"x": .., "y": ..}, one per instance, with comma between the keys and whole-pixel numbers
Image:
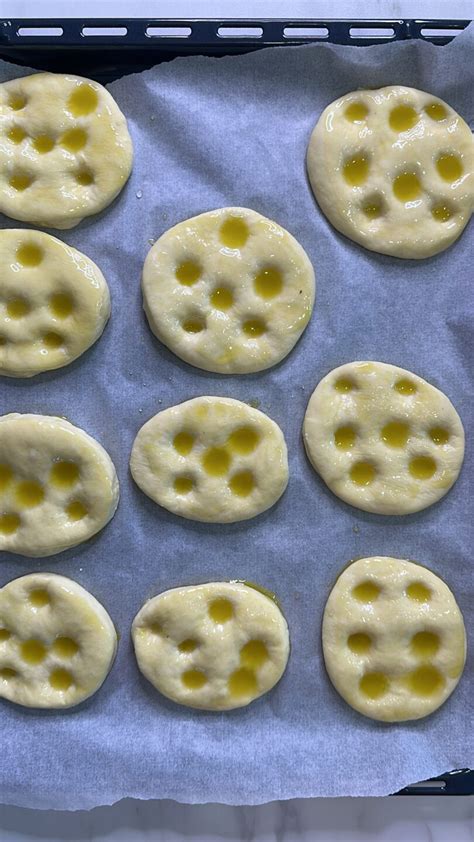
[
  {"x": 393, "y": 639},
  {"x": 54, "y": 303},
  {"x": 382, "y": 438},
  {"x": 393, "y": 169},
  {"x": 57, "y": 643},
  {"x": 216, "y": 647},
  {"x": 65, "y": 153},
  {"x": 211, "y": 459},
  {"x": 58, "y": 485},
  {"x": 228, "y": 291}
]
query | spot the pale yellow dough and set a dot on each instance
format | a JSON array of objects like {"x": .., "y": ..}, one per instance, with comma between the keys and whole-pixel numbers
[
  {"x": 228, "y": 291},
  {"x": 65, "y": 150},
  {"x": 382, "y": 438},
  {"x": 211, "y": 459},
  {"x": 393, "y": 636},
  {"x": 57, "y": 643},
  {"x": 54, "y": 303},
  {"x": 58, "y": 485},
  {"x": 217, "y": 646},
  {"x": 393, "y": 169}
]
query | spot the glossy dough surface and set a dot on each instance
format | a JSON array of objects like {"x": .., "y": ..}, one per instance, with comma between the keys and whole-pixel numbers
[
  {"x": 211, "y": 459},
  {"x": 57, "y": 643},
  {"x": 58, "y": 486},
  {"x": 393, "y": 170},
  {"x": 228, "y": 291},
  {"x": 65, "y": 151},
  {"x": 54, "y": 303},
  {"x": 393, "y": 639},
  {"x": 216, "y": 646},
  {"x": 382, "y": 438}
]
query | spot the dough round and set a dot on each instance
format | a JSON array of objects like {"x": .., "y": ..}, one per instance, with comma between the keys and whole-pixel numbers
[
  {"x": 228, "y": 291},
  {"x": 57, "y": 643},
  {"x": 54, "y": 303},
  {"x": 394, "y": 642},
  {"x": 58, "y": 485},
  {"x": 216, "y": 647},
  {"x": 211, "y": 459},
  {"x": 65, "y": 153},
  {"x": 392, "y": 169},
  {"x": 382, "y": 438}
]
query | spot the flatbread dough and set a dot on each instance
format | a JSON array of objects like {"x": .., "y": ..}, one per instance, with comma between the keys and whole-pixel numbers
[
  {"x": 217, "y": 646},
  {"x": 394, "y": 642},
  {"x": 54, "y": 303},
  {"x": 57, "y": 643},
  {"x": 58, "y": 485},
  {"x": 382, "y": 438},
  {"x": 65, "y": 151},
  {"x": 228, "y": 291},
  {"x": 211, "y": 459},
  {"x": 393, "y": 170}
]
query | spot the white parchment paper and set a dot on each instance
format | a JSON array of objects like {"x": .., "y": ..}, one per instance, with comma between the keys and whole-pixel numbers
[{"x": 234, "y": 131}]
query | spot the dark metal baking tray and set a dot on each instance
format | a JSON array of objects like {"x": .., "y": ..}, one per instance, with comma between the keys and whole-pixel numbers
[{"x": 106, "y": 48}]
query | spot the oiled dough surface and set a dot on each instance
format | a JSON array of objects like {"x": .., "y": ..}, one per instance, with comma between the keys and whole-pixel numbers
[
  {"x": 65, "y": 150},
  {"x": 216, "y": 646},
  {"x": 396, "y": 133},
  {"x": 54, "y": 303},
  {"x": 58, "y": 485},
  {"x": 393, "y": 639},
  {"x": 228, "y": 290},
  {"x": 211, "y": 459},
  {"x": 57, "y": 643},
  {"x": 382, "y": 438}
]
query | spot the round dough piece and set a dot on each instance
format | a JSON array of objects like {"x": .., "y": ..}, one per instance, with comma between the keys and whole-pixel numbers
[
  {"x": 211, "y": 459},
  {"x": 57, "y": 643},
  {"x": 65, "y": 153},
  {"x": 54, "y": 303},
  {"x": 58, "y": 485},
  {"x": 228, "y": 291},
  {"x": 392, "y": 169},
  {"x": 382, "y": 438},
  {"x": 216, "y": 647},
  {"x": 394, "y": 642}
]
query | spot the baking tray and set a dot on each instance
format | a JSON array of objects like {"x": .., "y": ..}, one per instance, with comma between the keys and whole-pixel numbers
[{"x": 106, "y": 48}]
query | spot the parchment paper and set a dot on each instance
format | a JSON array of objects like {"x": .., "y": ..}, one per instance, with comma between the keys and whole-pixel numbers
[{"x": 233, "y": 131}]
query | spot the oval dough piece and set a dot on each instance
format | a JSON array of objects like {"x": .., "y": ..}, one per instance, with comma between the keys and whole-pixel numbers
[
  {"x": 57, "y": 643},
  {"x": 54, "y": 303},
  {"x": 392, "y": 169},
  {"x": 393, "y": 639},
  {"x": 228, "y": 291},
  {"x": 58, "y": 485},
  {"x": 211, "y": 459},
  {"x": 216, "y": 647},
  {"x": 66, "y": 152},
  {"x": 382, "y": 438}
]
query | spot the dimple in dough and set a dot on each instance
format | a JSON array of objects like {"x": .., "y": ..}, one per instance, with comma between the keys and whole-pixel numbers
[
  {"x": 393, "y": 636},
  {"x": 228, "y": 291},
  {"x": 65, "y": 150},
  {"x": 392, "y": 169},
  {"x": 58, "y": 486},
  {"x": 216, "y": 646},
  {"x": 57, "y": 642},
  {"x": 54, "y": 303},
  {"x": 382, "y": 438},
  {"x": 211, "y": 459}
]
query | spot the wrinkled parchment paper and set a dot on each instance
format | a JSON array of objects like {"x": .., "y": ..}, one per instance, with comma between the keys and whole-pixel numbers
[{"x": 233, "y": 131}]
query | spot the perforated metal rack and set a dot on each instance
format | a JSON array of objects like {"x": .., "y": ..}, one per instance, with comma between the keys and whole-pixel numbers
[{"x": 105, "y": 49}]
